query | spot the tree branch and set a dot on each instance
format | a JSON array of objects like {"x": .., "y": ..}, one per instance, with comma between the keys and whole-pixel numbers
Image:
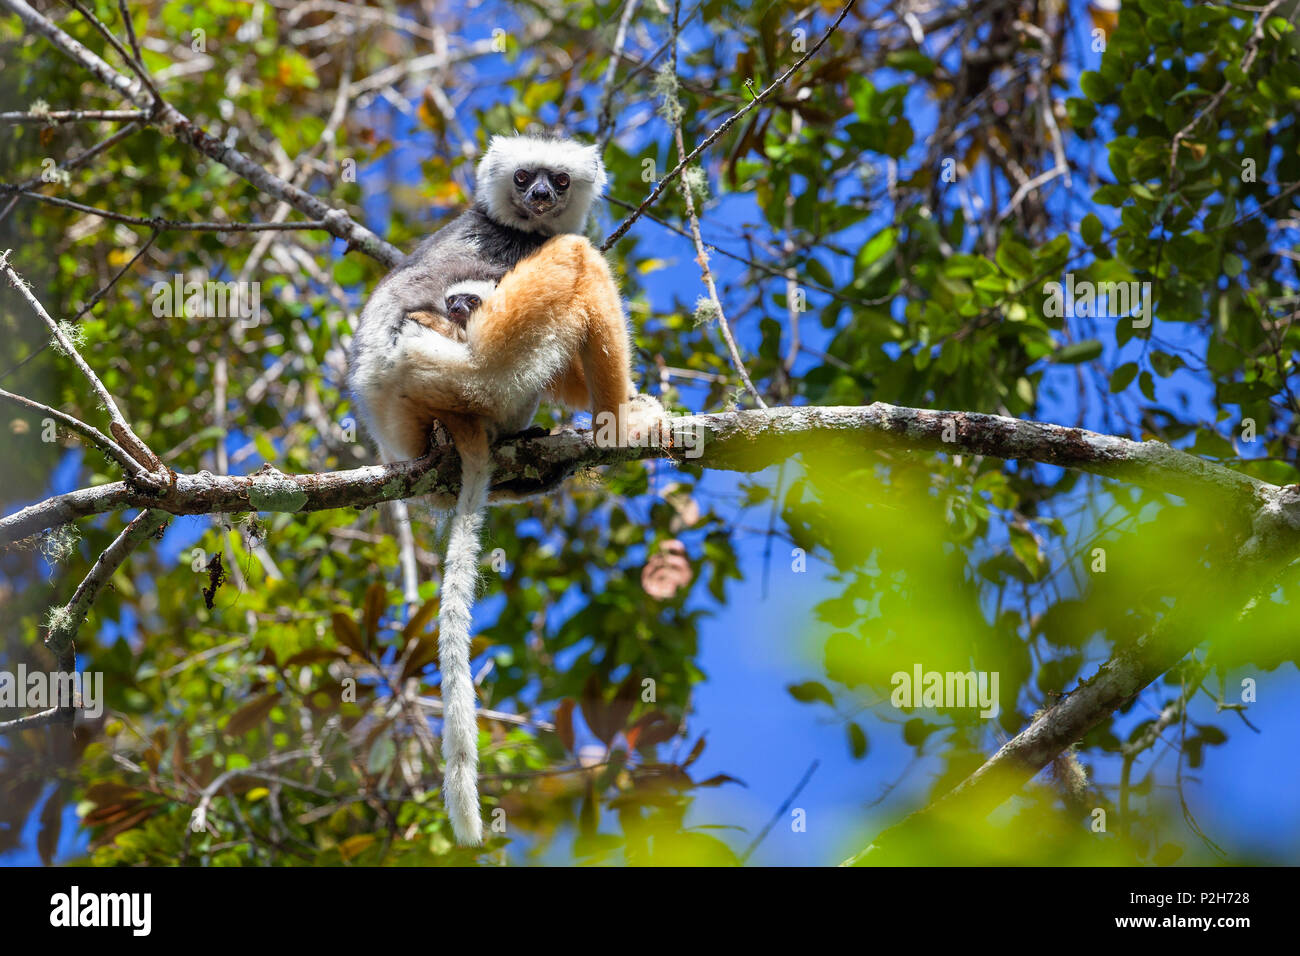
[
  {"x": 159, "y": 223},
  {"x": 97, "y": 438},
  {"x": 120, "y": 428},
  {"x": 171, "y": 122},
  {"x": 56, "y": 117},
  {"x": 673, "y": 108},
  {"x": 748, "y": 440},
  {"x": 1120, "y": 679},
  {"x": 67, "y": 620}
]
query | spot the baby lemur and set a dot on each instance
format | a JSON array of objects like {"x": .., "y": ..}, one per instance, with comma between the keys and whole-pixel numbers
[
  {"x": 552, "y": 325},
  {"x": 460, "y": 301}
]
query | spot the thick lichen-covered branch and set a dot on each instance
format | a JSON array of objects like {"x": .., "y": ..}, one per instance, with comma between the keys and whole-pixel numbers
[{"x": 735, "y": 441}]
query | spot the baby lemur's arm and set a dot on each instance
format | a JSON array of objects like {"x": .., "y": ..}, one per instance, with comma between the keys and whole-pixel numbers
[{"x": 434, "y": 321}]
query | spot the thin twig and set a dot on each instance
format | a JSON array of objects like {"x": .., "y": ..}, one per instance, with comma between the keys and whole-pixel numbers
[
  {"x": 130, "y": 32},
  {"x": 94, "y": 300},
  {"x": 54, "y": 117},
  {"x": 172, "y": 123},
  {"x": 120, "y": 428},
  {"x": 1247, "y": 59},
  {"x": 713, "y": 137},
  {"x": 701, "y": 254},
  {"x": 781, "y": 810},
  {"x": 66, "y": 621},
  {"x": 112, "y": 449},
  {"x": 772, "y": 271},
  {"x": 67, "y": 166},
  {"x": 605, "y": 122},
  {"x": 136, "y": 66},
  {"x": 165, "y": 224}
]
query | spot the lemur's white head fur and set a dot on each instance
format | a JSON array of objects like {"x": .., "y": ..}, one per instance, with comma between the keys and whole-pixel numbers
[{"x": 496, "y": 186}]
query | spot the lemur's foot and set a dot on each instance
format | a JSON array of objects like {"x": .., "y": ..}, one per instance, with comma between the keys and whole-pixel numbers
[
  {"x": 439, "y": 437},
  {"x": 646, "y": 423}
]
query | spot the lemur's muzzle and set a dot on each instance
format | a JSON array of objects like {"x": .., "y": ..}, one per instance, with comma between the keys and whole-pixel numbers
[
  {"x": 460, "y": 307},
  {"x": 540, "y": 197}
]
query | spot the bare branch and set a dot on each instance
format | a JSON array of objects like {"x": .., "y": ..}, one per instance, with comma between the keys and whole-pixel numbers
[
  {"x": 97, "y": 438},
  {"x": 158, "y": 223},
  {"x": 605, "y": 122},
  {"x": 53, "y": 715},
  {"x": 136, "y": 66},
  {"x": 1247, "y": 60},
  {"x": 67, "y": 620},
  {"x": 94, "y": 300},
  {"x": 64, "y": 628},
  {"x": 55, "y": 117}
]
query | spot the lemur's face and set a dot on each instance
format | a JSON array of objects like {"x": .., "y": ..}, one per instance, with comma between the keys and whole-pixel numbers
[
  {"x": 540, "y": 192},
  {"x": 538, "y": 184},
  {"x": 461, "y": 306},
  {"x": 463, "y": 298}
]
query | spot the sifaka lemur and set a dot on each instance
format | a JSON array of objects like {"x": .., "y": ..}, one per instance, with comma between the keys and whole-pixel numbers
[{"x": 553, "y": 326}]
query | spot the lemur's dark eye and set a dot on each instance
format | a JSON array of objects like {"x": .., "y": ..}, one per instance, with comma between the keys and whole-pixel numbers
[
  {"x": 473, "y": 302},
  {"x": 522, "y": 177},
  {"x": 561, "y": 180}
]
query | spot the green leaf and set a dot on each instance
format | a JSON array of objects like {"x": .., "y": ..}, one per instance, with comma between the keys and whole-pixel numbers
[
  {"x": 1077, "y": 352},
  {"x": 1014, "y": 259},
  {"x": 913, "y": 60},
  {"x": 1090, "y": 229},
  {"x": 857, "y": 741},
  {"x": 879, "y": 245},
  {"x": 1123, "y": 377},
  {"x": 1094, "y": 86},
  {"x": 348, "y": 271},
  {"x": 1147, "y": 384},
  {"x": 264, "y": 447},
  {"x": 810, "y": 691},
  {"x": 1027, "y": 549}
]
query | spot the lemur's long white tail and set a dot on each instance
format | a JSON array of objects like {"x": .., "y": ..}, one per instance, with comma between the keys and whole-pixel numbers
[{"x": 459, "y": 584}]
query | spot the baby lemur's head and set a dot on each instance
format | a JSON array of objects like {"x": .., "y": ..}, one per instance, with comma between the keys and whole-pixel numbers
[
  {"x": 462, "y": 298},
  {"x": 539, "y": 184}
]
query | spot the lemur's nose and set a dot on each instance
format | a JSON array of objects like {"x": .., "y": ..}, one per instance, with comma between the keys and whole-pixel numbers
[{"x": 540, "y": 192}]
